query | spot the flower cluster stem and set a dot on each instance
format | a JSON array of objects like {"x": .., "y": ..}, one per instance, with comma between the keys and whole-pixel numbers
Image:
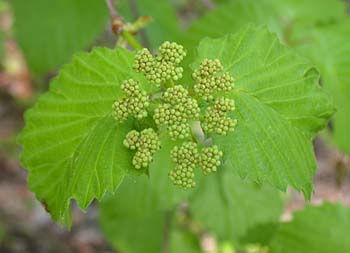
[
  {"x": 118, "y": 27},
  {"x": 130, "y": 39}
]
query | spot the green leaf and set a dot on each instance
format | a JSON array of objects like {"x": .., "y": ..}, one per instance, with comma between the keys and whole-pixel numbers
[
  {"x": 261, "y": 234},
  {"x": 138, "y": 210},
  {"x": 303, "y": 12},
  {"x": 229, "y": 18},
  {"x": 130, "y": 219},
  {"x": 183, "y": 241},
  {"x": 49, "y": 32},
  {"x": 229, "y": 206},
  {"x": 164, "y": 25},
  {"x": 135, "y": 220},
  {"x": 322, "y": 229},
  {"x": 329, "y": 49},
  {"x": 72, "y": 147},
  {"x": 160, "y": 184},
  {"x": 100, "y": 161},
  {"x": 279, "y": 107}
]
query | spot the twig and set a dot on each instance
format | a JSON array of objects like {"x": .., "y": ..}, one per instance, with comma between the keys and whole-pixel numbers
[
  {"x": 118, "y": 24},
  {"x": 116, "y": 19},
  {"x": 128, "y": 37},
  {"x": 111, "y": 8}
]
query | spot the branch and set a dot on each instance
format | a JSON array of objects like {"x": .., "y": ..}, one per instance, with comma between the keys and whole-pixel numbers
[
  {"x": 116, "y": 19},
  {"x": 111, "y": 8},
  {"x": 118, "y": 25}
]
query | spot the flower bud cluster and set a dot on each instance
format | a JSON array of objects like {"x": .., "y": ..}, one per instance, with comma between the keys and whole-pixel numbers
[
  {"x": 174, "y": 108},
  {"x": 210, "y": 159},
  {"x": 146, "y": 143},
  {"x": 172, "y": 52},
  {"x": 208, "y": 80},
  {"x": 207, "y": 69},
  {"x": 164, "y": 67},
  {"x": 178, "y": 108},
  {"x": 144, "y": 61},
  {"x": 186, "y": 159},
  {"x": 134, "y": 104},
  {"x": 215, "y": 119}
]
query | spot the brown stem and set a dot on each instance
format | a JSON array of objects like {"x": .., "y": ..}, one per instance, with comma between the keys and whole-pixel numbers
[
  {"x": 116, "y": 19},
  {"x": 111, "y": 8},
  {"x": 118, "y": 26}
]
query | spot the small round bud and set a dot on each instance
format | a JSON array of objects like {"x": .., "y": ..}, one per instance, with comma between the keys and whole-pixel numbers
[
  {"x": 179, "y": 131},
  {"x": 210, "y": 159},
  {"x": 208, "y": 80},
  {"x": 176, "y": 95},
  {"x": 224, "y": 82},
  {"x": 131, "y": 139},
  {"x": 120, "y": 110},
  {"x": 146, "y": 143},
  {"x": 149, "y": 140},
  {"x": 215, "y": 119},
  {"x": 172, "y": 52},
  {"x": 163, "y": 71},
  {"x": 182, "y": 176},
  {"x": 144, "y": 61},
  {"x": 178, "y": 108},
  {"x": 224, "y": 105},
  {"x": 165, "y": 67},
  {"x": 134, "y": 104},
  {"x": 186, "y": 159},
  {"x": 187, "y": 154},
  {"x": 207, "y": 68}
]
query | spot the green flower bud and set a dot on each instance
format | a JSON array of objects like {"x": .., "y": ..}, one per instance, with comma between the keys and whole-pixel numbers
[
  {"x": 224, "y": 82},
  {"x": 131, "y": 139},
  {"x": 186, "y": 159},
  {"x": 120, "y": 110},
  {"x": 134, "y": 104},
  {"x": 176, "y": 95},
  {"x": 208, "y": 68},
  {"x": 215, "y": 119},
  {"x": 149, "y": 140},
  {"x": 179, "y": 131},
  {"x": 172, "y": 52},
  {"x": 176, "y": 112},
  {"x": 182, "y": 176},
  {"x": 163, "y": 71},
  {"x": 210, "y": 159},
  {"x": 144, "y": 61},
  {"x": 208, "y": 80},
  {"x": 224, "y": 105},
  {"x": 165, "y": 67},
  {"x": 146, "y": 143}
]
